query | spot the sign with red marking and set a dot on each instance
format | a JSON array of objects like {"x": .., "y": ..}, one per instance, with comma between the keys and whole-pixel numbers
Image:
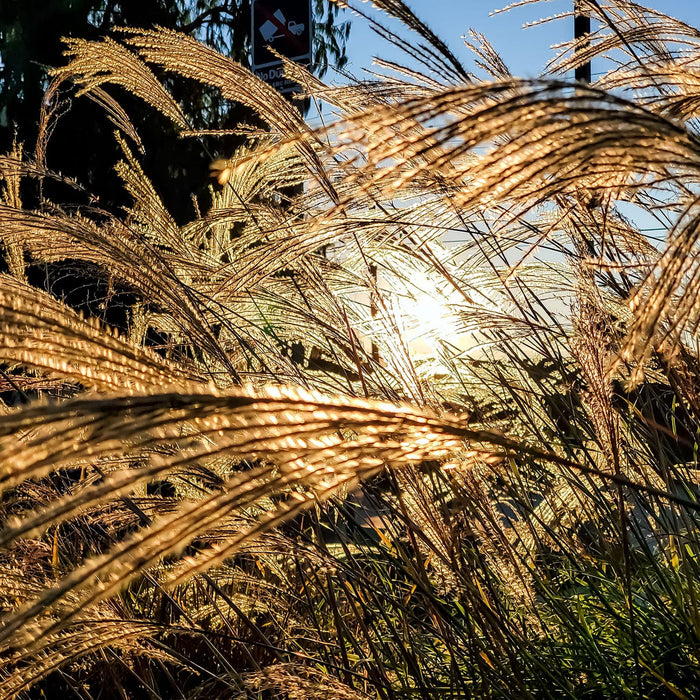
[{"x": 285, "y": 26}]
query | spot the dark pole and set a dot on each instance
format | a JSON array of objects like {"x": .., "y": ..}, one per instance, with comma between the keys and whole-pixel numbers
[{"x": 582, "y": 30}]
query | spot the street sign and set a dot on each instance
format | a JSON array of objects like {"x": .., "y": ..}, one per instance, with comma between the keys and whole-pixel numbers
[{"x": 285, "y": 26}]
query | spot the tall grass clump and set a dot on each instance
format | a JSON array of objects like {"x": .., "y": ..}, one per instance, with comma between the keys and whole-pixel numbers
[{"x": 409, "y": 408}]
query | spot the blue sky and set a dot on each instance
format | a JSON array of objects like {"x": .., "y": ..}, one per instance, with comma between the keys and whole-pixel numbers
[{"x": 525, "y": 51}]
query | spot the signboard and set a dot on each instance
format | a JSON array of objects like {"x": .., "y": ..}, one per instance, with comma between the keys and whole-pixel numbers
[{"x": 285, "y": 26}]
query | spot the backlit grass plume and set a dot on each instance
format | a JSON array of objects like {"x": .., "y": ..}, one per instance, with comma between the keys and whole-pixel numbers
[{"x": 408, "y": 408}]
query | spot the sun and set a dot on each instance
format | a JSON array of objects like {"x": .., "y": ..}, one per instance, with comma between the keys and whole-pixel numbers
[{"x": 428, "y": 318}]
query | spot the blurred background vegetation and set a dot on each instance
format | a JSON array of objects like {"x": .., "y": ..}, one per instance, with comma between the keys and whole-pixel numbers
[{"x": 83, "y": 146}]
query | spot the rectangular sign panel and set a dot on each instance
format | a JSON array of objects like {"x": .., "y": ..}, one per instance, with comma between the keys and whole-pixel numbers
[{"x": 285, "y": 26}]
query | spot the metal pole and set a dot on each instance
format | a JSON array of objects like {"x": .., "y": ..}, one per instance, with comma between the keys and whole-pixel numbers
[{"x": 582, "y": 30}]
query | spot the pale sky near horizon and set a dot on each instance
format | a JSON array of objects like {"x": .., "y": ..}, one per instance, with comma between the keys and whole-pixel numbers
[{"x": 525, "y": 51}]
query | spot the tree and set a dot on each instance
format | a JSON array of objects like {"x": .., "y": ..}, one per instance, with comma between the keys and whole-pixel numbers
[{"x": 31, "y": 43}]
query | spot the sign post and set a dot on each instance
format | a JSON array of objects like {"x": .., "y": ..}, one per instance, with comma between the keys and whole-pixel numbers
[
  {"x": 285, "y": 26},
  {"x": 582, "y": 30}
]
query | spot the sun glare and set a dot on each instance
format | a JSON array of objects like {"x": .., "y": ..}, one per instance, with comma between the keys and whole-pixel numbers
[{"x": 428, "y": 320}]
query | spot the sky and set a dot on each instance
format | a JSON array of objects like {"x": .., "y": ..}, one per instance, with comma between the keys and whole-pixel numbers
[{"x": 525, "y": 51}]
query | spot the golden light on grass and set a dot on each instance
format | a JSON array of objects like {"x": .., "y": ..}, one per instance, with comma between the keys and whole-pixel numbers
[{"x": 174, "y": 494}]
